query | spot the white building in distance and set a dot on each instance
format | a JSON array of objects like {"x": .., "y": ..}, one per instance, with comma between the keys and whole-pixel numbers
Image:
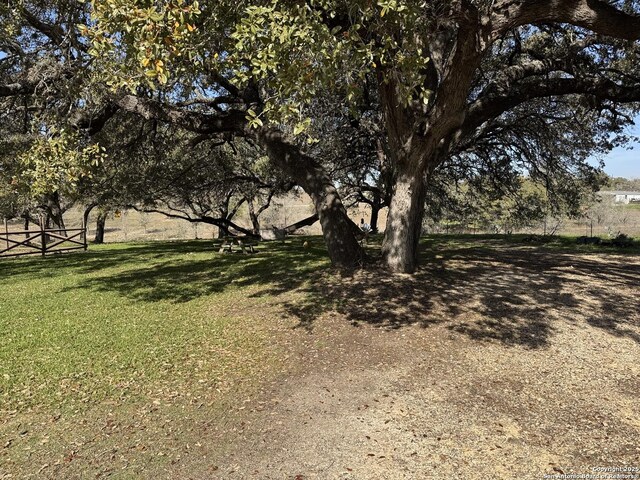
[{"x": 621, "y": 196}]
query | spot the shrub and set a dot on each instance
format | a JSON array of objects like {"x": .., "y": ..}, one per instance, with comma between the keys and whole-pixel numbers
[
  {"x": 589, "y": 240},
  {"x": 622, "y": 240}
]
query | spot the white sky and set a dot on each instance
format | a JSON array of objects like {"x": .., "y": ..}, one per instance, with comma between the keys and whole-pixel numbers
[{"x": 622, "y": 162}]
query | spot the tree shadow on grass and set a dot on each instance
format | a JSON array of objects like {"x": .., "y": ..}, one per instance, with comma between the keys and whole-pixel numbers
[
  {"x": 96, "y": 258},
  {"x": 136, "y": 269},
  {"x": 170, "y": 273},
  {"x": 502, "y": 293}
]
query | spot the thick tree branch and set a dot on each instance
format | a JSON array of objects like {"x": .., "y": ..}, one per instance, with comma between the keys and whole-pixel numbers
[
  {"x": 54, "y": 32},
  {"x": 306, "y": 222},
  {"x": 218, "y": 222},
  {"x": 234, "y": 210},
  {"x": 13, "y": 89},
  {"x": 595, "y": 15},
  {"x": 231, "y": 121},
  {"x": 31, "y": 80},
  {"x": 267, "y": 204},
  {"x": 211, "y": 102},
  {"x": 509, "y": 75},
  {"x": 94, "y": 123},
  {"x": 492, "y": 106}
]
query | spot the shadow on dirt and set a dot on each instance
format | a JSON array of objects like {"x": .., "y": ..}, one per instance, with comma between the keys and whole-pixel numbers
[{"x": 493, "y": 293}]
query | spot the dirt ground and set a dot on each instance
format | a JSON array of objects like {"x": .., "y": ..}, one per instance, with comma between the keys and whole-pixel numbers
[
  {"x": 505, "y": 363},
  {"x": 509, "y": 364}
]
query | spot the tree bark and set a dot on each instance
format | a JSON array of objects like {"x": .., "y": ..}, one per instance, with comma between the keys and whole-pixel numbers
[
  {"x": 255, "y": 222},
  {"x": 100, "y": 223},
  {"x": 305, "y": 222},
  {"x": 227, "y": 214},
  {"x": 376, "y": 204},
  {"x": 400, "y": 248},
  {"x": 26, "y": 224},
  {"x": 255, "y": 214},
  {"x": 223, "y": 231},
  {"x": 55, "y": 211},
  {"x": 411, "y": 155},
  {"x": 338, "y": 230}
]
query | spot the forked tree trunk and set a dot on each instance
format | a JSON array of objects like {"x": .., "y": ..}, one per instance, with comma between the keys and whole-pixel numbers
[
  {"x": 228, "y": 213},
  {"x": 223, "y": 209},
  {"x": 410, "y": 154},
  {"x": 404, "y": 222},
  {"x": 338, "y": 230},
  {"x": 55, "y": 212},
  {"x": 255, "y": 214},
  {"x": 255, "y": 222}
]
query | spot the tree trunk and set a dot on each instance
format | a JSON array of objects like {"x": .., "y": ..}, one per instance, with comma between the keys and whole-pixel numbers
[
  {"x": 375, "y": 213},
  {"x": 224, "y": 211},
  {"x": 26, "y": 225},
  {"x": 46, "y": 221},
  {"x": 338, "y": 229},
  {"x": 223, "y": 232},
  {"x": 255, "y": 222},
  {"x": 255, "y": 215},
  {"x": 410, "y": 154},
  {"x": 55, "y": 212},
  {"x": 85, "y": 215},
  {"x": 227, "y": 214},
  {"x": 100, "y": 223},
  {"x": 404, "y": 223}
]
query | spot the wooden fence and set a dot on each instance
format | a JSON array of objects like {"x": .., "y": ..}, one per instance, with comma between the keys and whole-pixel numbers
[{"x": 41, "y": 242}]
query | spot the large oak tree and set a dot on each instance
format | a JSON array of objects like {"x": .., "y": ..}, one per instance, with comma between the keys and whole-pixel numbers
[{"x": 448, "y": 74}]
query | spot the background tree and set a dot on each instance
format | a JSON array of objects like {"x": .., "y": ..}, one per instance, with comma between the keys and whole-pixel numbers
[
  {"x": 619, "y": 183},
  {"x": 351, "y": 145},
  {"x": 156, "y": 169}
]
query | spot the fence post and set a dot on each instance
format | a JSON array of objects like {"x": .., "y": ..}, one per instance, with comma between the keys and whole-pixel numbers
[
  {"x": 84, "y": 235},
  {"x": 6, "y": 231},
  {"x": 43, "y": 238}
]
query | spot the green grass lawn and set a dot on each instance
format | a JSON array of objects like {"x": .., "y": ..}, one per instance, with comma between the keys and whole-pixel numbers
[
  {"x": 126, "y": 320},
  {"x": 565, "y": 243}
]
